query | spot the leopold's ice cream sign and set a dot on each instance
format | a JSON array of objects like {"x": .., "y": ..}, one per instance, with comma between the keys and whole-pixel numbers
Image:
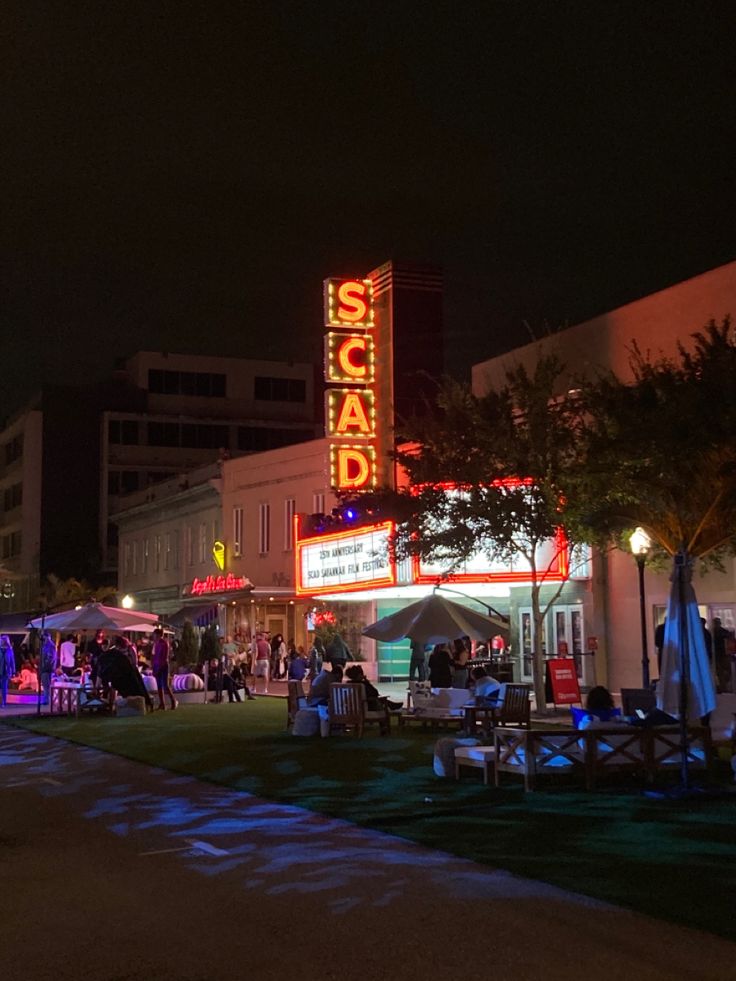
[
  {"x": 219, "y": 584},
  {"x": 350, "y": 372}
]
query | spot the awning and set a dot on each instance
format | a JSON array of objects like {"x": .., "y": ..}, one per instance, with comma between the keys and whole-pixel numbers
[{"x": 201, "y": 616}]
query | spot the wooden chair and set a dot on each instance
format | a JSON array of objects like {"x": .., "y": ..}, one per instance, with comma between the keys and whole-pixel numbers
[
  {"x": 348, "y": 710},
  {"x": 295, "y": 700},
  {"x": 516, "y": 708},
  {"x": 637, "y": 698}
]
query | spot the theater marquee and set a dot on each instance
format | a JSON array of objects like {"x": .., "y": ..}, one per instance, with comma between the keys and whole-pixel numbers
[{"x": 345, "y": 561}]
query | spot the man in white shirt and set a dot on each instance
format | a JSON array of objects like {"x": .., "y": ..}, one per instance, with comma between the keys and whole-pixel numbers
[{"x": 68, "y": 655}]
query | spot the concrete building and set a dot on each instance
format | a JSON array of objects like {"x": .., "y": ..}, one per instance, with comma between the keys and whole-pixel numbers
[
  {"x": 166, "y": 538},
  {"x": 21, "y": 449},
  {"x": 69, "y": 458}
]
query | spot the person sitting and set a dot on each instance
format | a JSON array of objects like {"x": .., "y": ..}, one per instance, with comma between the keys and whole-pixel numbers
[
  {"x": 319, "y": 692},
  {"x": 239, "y": 674},
  {"x": 26, "y": 679},
  {"x": 117, "y": 674},
  {"x": 599, "y": 710},
  {"x": 372, "y": 697},
  {"x": 485, "y": 687},
  {"x": 297, "y": 667},
  {"x": 228, "y": 685}
]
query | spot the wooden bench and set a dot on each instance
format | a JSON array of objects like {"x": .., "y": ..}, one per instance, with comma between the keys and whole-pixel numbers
[{"x": 594, "y": 752}]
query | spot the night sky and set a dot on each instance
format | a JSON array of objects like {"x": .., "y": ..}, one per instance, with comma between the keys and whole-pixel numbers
[{"x": 182, "y": 176}]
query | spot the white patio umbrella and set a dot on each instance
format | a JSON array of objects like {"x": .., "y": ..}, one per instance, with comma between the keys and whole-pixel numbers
[
  {"x": 434, "y": 620},
  {"x": 686, "y": 689},
  {"x": 95, "y": 616},
  {"x": 685, "y": 667}
]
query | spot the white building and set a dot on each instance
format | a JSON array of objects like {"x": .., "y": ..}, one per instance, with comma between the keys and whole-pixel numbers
[{"x": 658, "y": 323}]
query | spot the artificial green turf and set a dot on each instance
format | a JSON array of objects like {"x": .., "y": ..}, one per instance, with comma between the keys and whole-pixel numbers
[{"x": 671, "y": 859}]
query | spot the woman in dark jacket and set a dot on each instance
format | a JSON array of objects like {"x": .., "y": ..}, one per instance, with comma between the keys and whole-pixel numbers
[{"x": 440, "y": 667}]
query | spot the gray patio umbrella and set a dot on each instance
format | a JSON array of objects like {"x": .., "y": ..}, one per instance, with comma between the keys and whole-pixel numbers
[
  {"x": 95, "y": 616},
  {"x": 434, "y": 620},
  {"x": 686, "y": 689}
]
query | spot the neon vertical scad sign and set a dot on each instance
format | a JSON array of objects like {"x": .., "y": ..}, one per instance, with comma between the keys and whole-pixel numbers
[{"x": 350, "y": 362}]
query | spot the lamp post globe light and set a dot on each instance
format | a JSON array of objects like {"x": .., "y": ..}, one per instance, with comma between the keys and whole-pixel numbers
[
  {"x": 640, "y": 544},
  {"x": 127, "y": 602}
]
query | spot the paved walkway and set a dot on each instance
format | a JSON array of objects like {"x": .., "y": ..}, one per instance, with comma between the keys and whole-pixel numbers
[{"x": 116, "y": 871}]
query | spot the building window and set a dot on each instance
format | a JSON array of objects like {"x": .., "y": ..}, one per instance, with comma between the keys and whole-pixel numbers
[
  {"x": 13, "y": 497},
  {"x": 264, "y": 528},
  {"x": 256, "y": 439},
  {"x": 144, "y": 556},
  {"x": 135, "y": 559},
  {"x": 205, "y": 384},
  {"x": 202, "y": 549},
  {"x": 280, "y": 389},
  {"x": 11, "y": 545},
  {"x": 14, "y": 449},
  {"x": 167, "y": 551},
  {"x": 189, "y": 532},
  {"x": 175, "y": 551},
  {"x": 126, "y": 559},
  {"x": 123, "y": 432},
  {"x": 237, "y": 532},
  {"x": 289, "y": 512},
  {"x": 157, "y": 553},
  {"x": 318, "y": 503}
]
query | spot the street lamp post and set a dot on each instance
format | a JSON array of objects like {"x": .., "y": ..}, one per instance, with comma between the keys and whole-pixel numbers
[{"x": 640, "y": 544}]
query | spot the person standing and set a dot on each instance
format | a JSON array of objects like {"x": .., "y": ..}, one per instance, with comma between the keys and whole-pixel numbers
[
  {"x": 48, "y": 662},
  {"x": 316, "y": 657},
  {"x": 7, "y": 667},
  {"x": 460, "y": 656},
  {"x": 338, "y": 652},
  {"x": 722, "y": 639},
  {"x": 94, "y": 649},
  {"x": 230, "y": 651},
  {"x": 160, "y": 666},
  {"x": 418, "y": 662},
  {"x": 68, "y": 656},
  {"x": 278, "y": 657},
  {"x": 440, "y": 667},
  {"x": 263, "y": 663}
]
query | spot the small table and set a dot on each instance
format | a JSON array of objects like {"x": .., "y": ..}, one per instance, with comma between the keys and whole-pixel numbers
[
  {"x": 473, "y": 712},
  {"x": 426, "y": 719}
]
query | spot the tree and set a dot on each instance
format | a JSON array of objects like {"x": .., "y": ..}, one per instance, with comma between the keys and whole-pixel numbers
[
  {"x": 188, "y": 650},
  {"x": 210, "y": 644},
  {"x": 56, "y": 593},
  {"x": 492, "y": 474},
  {"x": 661, "y": 449}
]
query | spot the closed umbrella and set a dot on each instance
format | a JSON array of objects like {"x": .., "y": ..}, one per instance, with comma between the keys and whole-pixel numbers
[
  {"x": 685, "y": 687},
  {"x": 434, "y": 620},
  {"x": 95, "y": 616}
]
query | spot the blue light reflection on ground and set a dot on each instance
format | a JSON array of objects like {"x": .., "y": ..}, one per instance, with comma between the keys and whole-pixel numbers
[{"x": 274, "y": 848}]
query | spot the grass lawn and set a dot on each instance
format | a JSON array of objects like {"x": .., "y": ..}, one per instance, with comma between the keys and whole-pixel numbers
[{"x": 671, "y": 859}]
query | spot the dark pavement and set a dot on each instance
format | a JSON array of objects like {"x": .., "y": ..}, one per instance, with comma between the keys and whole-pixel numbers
[{"x": 116, "y": 871}]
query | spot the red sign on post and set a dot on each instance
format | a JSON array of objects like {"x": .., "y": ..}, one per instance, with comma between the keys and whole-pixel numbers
[
  {"x": 592, "y": 643},
  {"x": 564, "y": 680}
]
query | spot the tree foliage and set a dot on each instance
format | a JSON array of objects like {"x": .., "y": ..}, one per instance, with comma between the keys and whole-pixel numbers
[
  {"x": 210, "y": 645},
  {"x": 661, "y": 449},
  {"x": 56, "y": 593},
  {"x": 510, "y": 457},
  {"x": 188, "y": 650}
]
